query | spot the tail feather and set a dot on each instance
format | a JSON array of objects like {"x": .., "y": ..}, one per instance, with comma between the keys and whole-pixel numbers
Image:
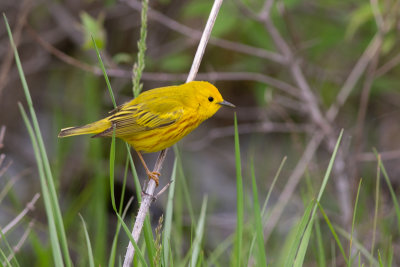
[{"x": 92, "y": 128}]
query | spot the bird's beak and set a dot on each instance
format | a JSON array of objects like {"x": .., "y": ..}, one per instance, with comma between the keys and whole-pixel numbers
[{"x": 226, "y": 103}]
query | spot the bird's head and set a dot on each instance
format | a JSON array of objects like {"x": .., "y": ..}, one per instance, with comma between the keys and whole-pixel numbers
[{"x": 208, "y": 98}]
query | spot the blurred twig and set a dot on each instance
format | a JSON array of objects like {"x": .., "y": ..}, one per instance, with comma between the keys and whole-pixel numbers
[
  {"x": 8, "y": 58},
  {"x": 251, "y": 128},
  {"x": 386, "y": 155},
  {"x": 6, "y": 188},
  {"x": 195, "y": 34},
  {"x": 2, "y": 134},
  {"x": 29, "y": 207},
  {"x": 157, "y": 76},
  {"x": 21, "y": 241}
]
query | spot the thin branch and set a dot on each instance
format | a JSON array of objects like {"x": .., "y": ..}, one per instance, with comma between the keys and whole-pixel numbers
[
  {"x": 292, "y": 182},
  {"x": 316, "y": 116},
  {"x": 354, "y": 76},
  {"x": 8, "y": 58},
  {"x": 149, "y": 191},
  {"x": 2, "y": 134},
  {"x": 10, "y": 183},
  {"x": 377, "y": 14},
  {"x": 362, "y": 110},
  {"x": 392, "y": 63},
  {"x": 21, "y": 241},
  {"x": 195, "y": 34},
  {"x": 29, "y": 207},
  {"x": 250, "y": 128},
  {"x": 386, "y": 155},
  {"x": 203, "y": 41},
  {"x": 125, "y": 73},
  {"x": 5, "y": 168}
]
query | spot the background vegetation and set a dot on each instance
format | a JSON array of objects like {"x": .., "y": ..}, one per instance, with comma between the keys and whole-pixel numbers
[{"x": 298, "y": 71}]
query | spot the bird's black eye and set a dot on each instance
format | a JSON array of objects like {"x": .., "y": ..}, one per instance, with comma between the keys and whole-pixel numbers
[{"x": 211, "y": 99}]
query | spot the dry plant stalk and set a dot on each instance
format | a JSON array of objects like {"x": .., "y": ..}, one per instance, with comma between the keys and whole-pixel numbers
[{"x": 149, "y": 190}]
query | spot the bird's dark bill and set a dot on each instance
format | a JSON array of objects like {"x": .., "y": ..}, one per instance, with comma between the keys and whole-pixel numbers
[{"x": 226, "y": 103}]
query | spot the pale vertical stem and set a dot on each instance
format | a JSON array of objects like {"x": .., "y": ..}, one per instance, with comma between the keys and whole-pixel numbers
[
  {"x": 151, "y": 186},
  {"x": 204, "y": 40}
]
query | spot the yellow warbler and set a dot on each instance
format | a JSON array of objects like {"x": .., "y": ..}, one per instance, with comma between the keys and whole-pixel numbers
[{"x": 157, "y": 118}]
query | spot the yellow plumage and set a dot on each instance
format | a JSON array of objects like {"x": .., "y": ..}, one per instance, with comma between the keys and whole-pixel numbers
[{"x": 157, "y": 118}]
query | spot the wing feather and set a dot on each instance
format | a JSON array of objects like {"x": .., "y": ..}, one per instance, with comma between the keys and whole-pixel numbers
[{"x": 134, "y": 118}]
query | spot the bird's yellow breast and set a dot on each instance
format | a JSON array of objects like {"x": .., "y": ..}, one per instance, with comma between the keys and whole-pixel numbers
[{"x": 160, "y": 138}]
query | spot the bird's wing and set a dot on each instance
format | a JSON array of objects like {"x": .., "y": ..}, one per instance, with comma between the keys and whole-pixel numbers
[{"x": 134, "y": 118}]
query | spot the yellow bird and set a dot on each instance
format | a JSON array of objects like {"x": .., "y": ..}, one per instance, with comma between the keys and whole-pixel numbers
[{"x": 157, "y": 118}]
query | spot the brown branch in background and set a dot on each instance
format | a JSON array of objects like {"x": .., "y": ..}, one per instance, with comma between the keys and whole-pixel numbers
[
  {"x": 2, "y": 134},
  {"x": 195, "y": 34},
  {"x": 388, "y": 66},
  {"x": 362, "y": 110},
  {"x": 21, "y": 241},
  {"x": 317, "y": 117},
  {"x": 385, "y": 155},
  {"x": 5, "y": 168},
  {"x": 29, "y": 207},
  {"x": 61, "y": 55},
  {"x": 292, "y": 182},
  {"x": 250, "y": 128},
  {"x": 8, "y": 58},
  {"x": 7, "y": 187},
  {"x": 153, "y": 76},
  {"x": 354, "y": 76}
]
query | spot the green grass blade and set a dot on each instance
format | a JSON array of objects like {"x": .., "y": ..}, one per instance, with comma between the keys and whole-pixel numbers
[
  {"x": 380, "y": 259},
  {"x": 264, "y": 208},
  {"x": 168, "y": 216},
  {"x": 353, "y": 221},
  {"x": 335, "y": 236},
  {"x": 89, "y": 246},
  {"x": 261, "y": 252},
  {"x": 239, "y": 203},
  {"x": 299, "y": 233},
  {"x": 185, "y": 188},
  {"x": 199, "y": 234},
  {"x": 4, "y": 259},
  {"x": 219, "y": 250},
  {"x": 11, "y": 251},
  {"x": 392, "y": 193},
  {"x": 377, "y": 190},
  {"x": 55, "y": 244},
  {"x": 45, "y": 161},
  {"x": 136, "y": 180},
  {"x": 320, "y": 246},
  {"x": 306, "y": 238},
  {"x": 358, "y": 246},
  {"x": 329, "y": 170},
  {"x": 298, "y": 262},
  {"x": 111, "y": 260},
  {"x": 112, "y": 166},
  {"x": 103, "y": 69},
  {"x": 138, "y": 252},
  {"x": 272, "y": 186},
  {"x": 147, "y": 231}
]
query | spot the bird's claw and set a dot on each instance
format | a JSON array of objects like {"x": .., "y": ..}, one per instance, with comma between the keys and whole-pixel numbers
[{"x": 154, "y": 176}]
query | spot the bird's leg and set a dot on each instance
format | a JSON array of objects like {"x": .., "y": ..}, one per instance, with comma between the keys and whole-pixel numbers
[{"x": 150, "y": 174}]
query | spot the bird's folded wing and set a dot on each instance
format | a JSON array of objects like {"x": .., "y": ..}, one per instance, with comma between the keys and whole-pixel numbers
[{"x": 131, "y": 119}]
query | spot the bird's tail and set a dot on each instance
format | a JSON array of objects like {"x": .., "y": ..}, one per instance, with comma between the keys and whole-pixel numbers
[{"x": 92, "y": 128}]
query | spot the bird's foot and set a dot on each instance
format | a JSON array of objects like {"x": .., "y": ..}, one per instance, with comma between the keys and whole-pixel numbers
[{"x": 154, "y": 176}]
